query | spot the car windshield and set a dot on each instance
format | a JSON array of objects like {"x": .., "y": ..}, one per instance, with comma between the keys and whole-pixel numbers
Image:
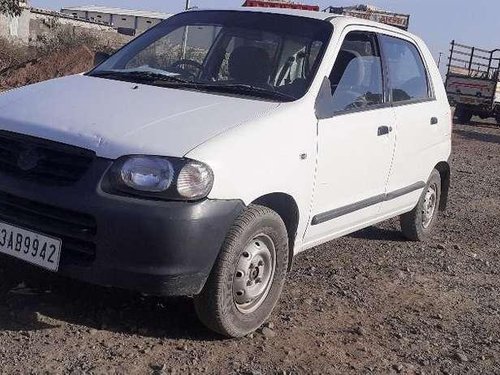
[{"x": 272, "y": 56}]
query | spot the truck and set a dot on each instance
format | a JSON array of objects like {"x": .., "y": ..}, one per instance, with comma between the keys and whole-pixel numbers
[
  {"x": 372, "y": 13},
  {"x": 472, "y": 82}
]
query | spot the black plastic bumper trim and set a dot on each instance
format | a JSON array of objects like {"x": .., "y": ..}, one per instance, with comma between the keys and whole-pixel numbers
[{"x": 154, "y": 247}]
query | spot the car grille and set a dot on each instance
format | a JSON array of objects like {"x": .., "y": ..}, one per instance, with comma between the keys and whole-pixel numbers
[
  {"x": 76, "y": 230},
  {"x": 47, "y": 162}
]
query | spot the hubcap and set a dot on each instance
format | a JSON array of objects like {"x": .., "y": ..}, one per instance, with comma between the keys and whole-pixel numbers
[
  {"x": 254, "y": 274},
  {"x": 429, "y": 208}
]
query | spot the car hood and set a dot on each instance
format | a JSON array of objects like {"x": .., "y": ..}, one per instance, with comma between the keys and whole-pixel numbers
[{"x": 115, "y": 118}]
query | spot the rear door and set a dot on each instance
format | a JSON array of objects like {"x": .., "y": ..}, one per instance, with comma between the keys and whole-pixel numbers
[
  {"x": 355, "y": 142},
  {"x": 420, "y": 119}
]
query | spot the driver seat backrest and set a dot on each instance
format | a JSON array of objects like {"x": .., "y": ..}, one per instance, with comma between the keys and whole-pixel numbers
[
  {"x": 343, "y": 59},
  {"x": 349, "y": 87},
  {"x": 250, "y": 65}
]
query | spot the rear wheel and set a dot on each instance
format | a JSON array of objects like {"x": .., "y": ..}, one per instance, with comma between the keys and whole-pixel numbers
[
  {"x": 248, "y": 276},
  {"x": 418, "y": 223}
]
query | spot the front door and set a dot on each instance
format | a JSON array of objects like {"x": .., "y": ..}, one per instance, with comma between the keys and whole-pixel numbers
[{"x": 355, "y": 144}]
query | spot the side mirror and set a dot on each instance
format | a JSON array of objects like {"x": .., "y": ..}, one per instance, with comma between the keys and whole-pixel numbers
[
  {"x": 100, "y": 57},
  {"x": 323, "y": 106}
]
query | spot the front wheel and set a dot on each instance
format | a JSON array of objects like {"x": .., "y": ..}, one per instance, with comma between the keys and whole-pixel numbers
[
  {"x": 418, "y": 223},
  {"x": 248, "y": 276}
]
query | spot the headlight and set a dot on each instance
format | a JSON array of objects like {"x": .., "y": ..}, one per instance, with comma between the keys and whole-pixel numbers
[
  {"x": 147, "y": 174},
  {"x": 159, "y": 178}
]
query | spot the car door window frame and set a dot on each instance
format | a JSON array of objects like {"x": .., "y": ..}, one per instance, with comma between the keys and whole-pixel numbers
[{"x": 430, "y": 87}]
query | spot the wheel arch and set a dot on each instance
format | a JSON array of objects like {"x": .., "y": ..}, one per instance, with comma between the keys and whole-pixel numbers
[
  {"x": 444, "y": 170},
  {"x": 286, "y": 207}
]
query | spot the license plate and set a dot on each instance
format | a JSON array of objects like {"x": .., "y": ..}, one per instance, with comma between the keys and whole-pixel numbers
[{"x": 35, "y": 248}]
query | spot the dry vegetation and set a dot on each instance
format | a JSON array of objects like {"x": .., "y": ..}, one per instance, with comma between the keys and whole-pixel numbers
[{"x": 52, "y": 55}]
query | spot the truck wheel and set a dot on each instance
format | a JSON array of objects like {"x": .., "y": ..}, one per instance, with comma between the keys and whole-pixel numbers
[
  {"x": 418, "y": 223},
  {"x": 248, "y": 276},
  {"x": 463, "y": 115}
]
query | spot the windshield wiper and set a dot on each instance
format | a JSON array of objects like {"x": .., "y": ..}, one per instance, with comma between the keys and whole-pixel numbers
[
  {"x": 159, "y": 79},
  {"x": 141, "y": 75},
  {"x": 242, "y": 88}
]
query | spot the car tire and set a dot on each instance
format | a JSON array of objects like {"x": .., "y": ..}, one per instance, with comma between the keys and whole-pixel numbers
[
  {"x": 418, "y": 223},
  {"x": 248, "y": 276},
  {"x": 463, "y": 115}
]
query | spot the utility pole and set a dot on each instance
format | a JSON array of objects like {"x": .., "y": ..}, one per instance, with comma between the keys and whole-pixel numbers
[
  {"x": 439, "y": 59},
  {"x": 185, "y": 36}
]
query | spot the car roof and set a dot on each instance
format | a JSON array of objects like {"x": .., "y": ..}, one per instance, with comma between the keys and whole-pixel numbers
[
  {"x": 336, "y": 19},
  {"x": 291, "y": 12}
]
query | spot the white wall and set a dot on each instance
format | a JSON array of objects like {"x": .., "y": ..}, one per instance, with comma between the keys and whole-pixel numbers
[
  {"x": 17, "y": 28},
  {"x": 99, "y": 17},
  {"x": 124, "y": 21},
  {"x": 75, "y": 13},
  {"x": 116, "y": 20},
  {"x": 146, "y": 23}
]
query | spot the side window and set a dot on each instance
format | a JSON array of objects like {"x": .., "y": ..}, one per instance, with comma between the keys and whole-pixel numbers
[
  {"x": 356, "y": 77},
  {"x": 407, "y": 73}
]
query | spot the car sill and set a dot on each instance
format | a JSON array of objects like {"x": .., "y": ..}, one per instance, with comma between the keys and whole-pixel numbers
[{"x": 338, "y": 212}]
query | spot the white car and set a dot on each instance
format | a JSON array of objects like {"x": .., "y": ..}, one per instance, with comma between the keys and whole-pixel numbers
[{"x": 204, "y": 155}]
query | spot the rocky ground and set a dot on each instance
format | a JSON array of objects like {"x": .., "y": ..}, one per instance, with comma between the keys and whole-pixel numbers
[{"x": 368, "y": 303}]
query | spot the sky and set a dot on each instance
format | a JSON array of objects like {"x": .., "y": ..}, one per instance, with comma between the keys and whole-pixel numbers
[{"x": 436, "y": 21}]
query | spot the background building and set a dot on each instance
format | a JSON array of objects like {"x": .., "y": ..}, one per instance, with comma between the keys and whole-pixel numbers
[{"x": 127, "y": 21}]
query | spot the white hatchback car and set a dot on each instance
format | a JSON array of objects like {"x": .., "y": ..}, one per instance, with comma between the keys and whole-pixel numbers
[{"x": 205, "y": 154}]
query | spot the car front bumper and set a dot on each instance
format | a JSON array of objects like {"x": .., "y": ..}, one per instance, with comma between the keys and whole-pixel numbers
[{"x": 154, "y": 247}]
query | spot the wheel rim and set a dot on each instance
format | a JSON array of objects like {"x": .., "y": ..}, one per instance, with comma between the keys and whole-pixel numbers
[
  {"x": 254, "y": 274},
  {"x": 429, "y": 208}
]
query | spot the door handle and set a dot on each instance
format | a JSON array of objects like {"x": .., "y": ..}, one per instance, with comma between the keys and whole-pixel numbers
[
  {"x": 383, "y": 130},
  {"x": 434, "y": 120}
]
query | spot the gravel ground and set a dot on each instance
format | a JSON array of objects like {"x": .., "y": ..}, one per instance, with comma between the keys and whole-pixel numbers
[{"x": 367, "y": 303}]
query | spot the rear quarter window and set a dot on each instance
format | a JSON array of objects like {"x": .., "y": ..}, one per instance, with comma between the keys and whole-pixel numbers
[{"x": 408, "y": 76}]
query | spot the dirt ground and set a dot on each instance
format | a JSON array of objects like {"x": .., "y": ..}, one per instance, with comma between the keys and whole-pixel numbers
[{"x": 368, "y": 303}]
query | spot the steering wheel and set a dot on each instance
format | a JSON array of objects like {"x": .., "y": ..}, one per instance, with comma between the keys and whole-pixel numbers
[
  {"x": 358, "y": 101},
  {"x": 186, "y": 62}
]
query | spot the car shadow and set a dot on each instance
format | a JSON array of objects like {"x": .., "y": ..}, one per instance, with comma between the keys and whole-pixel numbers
[
  {"x": 479, "y": 124},
  {"x": 380, "y": 234},
  {"x": 476, "y": 136},
  {"x": 33, "y": 300}
]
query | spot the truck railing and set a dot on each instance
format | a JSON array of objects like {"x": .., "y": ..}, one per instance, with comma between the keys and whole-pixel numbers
[{"x": 474, "y": 62}]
